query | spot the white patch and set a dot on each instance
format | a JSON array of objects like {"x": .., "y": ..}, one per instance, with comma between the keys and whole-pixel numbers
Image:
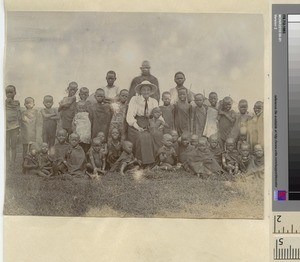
[{"x": 138, "y": 175}]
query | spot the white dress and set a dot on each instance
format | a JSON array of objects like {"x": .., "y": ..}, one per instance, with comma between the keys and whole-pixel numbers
[
  {"x": 211, "y": 125},
  {"x": 82, "y": 126}
]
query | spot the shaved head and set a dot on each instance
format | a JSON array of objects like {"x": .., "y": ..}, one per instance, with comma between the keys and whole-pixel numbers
[{"x": 146, "y": 63}]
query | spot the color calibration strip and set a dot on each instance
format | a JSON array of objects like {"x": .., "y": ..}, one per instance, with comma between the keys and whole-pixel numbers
[{"x": 293, "y": 28}]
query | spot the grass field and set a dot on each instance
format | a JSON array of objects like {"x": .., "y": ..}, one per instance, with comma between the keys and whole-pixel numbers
[{"x": 142, "y": 194}]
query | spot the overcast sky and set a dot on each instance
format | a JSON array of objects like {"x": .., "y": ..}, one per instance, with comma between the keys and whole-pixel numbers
[{"x": 217, "y": 52}]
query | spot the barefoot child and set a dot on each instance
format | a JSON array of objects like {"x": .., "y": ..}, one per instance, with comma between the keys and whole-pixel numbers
[
  {"x": 50, "y": 118},
  {"x": 119, "y": 109},
  {"x": 199, "y": 115},
  {"x": 31, "y": 161},
  {"x": 182, "y": 113},
  {"x": 215, "y": 148},
  {"x": 167, "y": 112},
  {"x": 256, "y": 166},
  {"x": 114, "y": 147},
  {"x": 59, "y": 151},
  {"x": 96, "y": 159},
  {"x": 185, "y": 149},
  {"x": 244, "y": 158},
  {"x": 75, "y": 157},
  {"x": 100, "y": 114},
  {"x": 67, "y": 107},
  {"x": 31, "y": 125},
  {"x": 230, "y": 158},
  {"x": 126, "y": 160},
  {"x": 226, "y": 118},
  {"x": 82, "y": 125},
  {"x": 166, "y": 155},
  {"x": 242, "y": 138},
  {"x": 13, "y": 117},
  {"x": 156, "y": 127},
  {"x": 202, "y": 162},
  {"x": 104, "y": 149},
  {"x": 256, "y": 126},
  {"x": 211, "y": 124},
  {"x": 241, "y": 119},
  {"x": 45, "y": 162}
]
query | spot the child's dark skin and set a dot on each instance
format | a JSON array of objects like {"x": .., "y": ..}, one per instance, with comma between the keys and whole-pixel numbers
[
  {"x": 33, "y": 168},
  {"x": 11, "y": 139},
  {"x": 45, "y": 167},
  {"x": 179, "y": 80},
  {"x": 62, "y": 136},
  {"x": 127, "y": 147},
  {"x": 232, "y": 167},
  {"x": 83, "y": 93},
  {"x": 110, "y": 79},
  {"x": 48, "y": 103},
  {"x": 10, "y": 94},
  {"x": 33, "y": 152},
  {"x": 100, "y": 96},
  {"x": 243, "y": 107},
  {"x": 213, "y": 141},
  {"x": 123, "y": 96},
  {"x": 227, "y": 104},
  {"x": 166, "y": 98},
  {"x": 213, "y": 99},
  {"x": 96, "y": 146},
  {"x": 163, "y": 157}
]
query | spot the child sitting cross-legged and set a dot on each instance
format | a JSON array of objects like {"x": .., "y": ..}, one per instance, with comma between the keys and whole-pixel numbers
[
  {"x": 31, "y": 165},
  {"x": 256, "y": 166},
  {"x": 242, "y": 137},
  {"x": 103, "y": 143},
  {"x": 96, "y": 159},
  {"x": 184, "y": 148},
  {"x": 45, "y": 162},
  {"x": 202, "y": 162},
  {"x": 230, "y": 158},
  {"x": 126, "y": 160},
  {"x": 166, "y": 155},
  {"x": 114, "y": 147},
  {"x": 175, "y": 145},
  {"x": 215, "y": 147},
  {"x": 156, "y": 127},
  {"x": 58, "y": 152},
  {"x": 75, "y": 156},
  {"x": 244, "y": 157}
]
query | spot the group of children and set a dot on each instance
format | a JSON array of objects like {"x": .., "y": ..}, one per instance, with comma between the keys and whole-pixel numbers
[{"x": 85, "y": 137}]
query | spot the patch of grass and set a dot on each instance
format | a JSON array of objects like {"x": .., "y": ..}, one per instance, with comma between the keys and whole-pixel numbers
[{"x": 142, "y": 194}]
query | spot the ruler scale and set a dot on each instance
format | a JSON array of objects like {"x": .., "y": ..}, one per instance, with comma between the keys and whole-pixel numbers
[
  {"x": 286, "y": 243},
  {"x": 285, "y": 231},
  {"x": 285, "y": 253}
]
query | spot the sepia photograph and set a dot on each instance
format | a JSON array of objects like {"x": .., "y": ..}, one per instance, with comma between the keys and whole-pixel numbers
[{"x": 157, "y": 115}]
